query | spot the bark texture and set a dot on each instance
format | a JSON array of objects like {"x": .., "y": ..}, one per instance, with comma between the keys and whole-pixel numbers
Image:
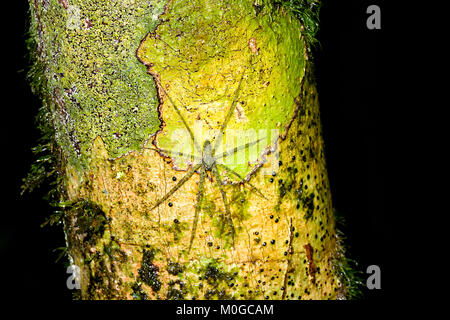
[{"x": 130, "y": 87}]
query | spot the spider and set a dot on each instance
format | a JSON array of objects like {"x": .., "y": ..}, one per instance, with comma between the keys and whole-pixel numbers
[{"x": 207, "y": 163}]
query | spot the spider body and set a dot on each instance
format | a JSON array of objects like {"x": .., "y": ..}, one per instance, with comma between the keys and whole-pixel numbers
[{"x": 208, "y": 160}]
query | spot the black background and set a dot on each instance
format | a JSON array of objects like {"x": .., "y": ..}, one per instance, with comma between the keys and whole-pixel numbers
[{"x": 352, "y": 76}]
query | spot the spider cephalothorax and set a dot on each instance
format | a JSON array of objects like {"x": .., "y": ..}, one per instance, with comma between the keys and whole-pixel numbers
[
  {"x": 208, "y": 160},
  {"x": 207, "y": 164}
]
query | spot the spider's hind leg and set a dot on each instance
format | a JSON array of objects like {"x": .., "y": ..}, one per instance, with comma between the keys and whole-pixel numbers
[
  {"x": 225, "y": 202},
  {"x": 201, "y": 187},
  {"x": 252, "y": 187}
]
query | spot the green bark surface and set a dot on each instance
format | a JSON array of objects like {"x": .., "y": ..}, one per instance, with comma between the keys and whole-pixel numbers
[{"x": 97, "y": 86}]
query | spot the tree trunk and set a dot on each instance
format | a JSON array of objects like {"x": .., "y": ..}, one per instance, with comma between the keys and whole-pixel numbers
[{"x": 190, "y": 156}]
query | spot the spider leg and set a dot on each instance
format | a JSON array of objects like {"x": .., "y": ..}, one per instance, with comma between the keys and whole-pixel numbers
[
  {"x": 177, "y": 186},
  {"x": 181, "y": 117},
  {"x": 174, "y": 152},
  {"x": 225, "y": 201},
  {"x": 201, "y": 186},
  {"x": 234, "y": 150},
  {"x": 255, "y": 189},
  {"x": 229, "y": 114}
]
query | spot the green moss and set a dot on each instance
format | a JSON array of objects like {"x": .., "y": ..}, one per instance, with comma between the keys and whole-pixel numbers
[
  {"x": 212, "y": 273},
  {"x": 209, "y": 278},
  {"x": 90, "y": 73},
  {"x": 308, "y": 13},
  {"x": 43, "y": 170},
  {"x": 346, "y": 269},
  {"x": 36, "y": 68},
  {"x": 218, "y": 277}
]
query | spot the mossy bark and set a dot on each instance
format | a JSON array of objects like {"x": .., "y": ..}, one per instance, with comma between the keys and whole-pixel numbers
[{"x": 122, "y": 82}]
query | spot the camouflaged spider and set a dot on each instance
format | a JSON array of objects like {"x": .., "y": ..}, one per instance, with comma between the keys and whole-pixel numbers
[{"x": 207, "y": 162}]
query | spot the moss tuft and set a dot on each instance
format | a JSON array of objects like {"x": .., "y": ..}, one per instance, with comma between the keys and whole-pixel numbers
[
  {"x": 307, "y": 11},
  {"x": 346, "y": 268}
]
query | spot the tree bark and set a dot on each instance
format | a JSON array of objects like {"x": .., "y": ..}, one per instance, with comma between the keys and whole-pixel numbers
[{"x": 138, "y": 94}]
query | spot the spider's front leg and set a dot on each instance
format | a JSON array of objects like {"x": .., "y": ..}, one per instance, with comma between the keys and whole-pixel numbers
[
  {"x": 235, "y": 150},
  {"x": 171, "y": 153},
  {"x": 225, "y": 201},
  {"x": 228, "y": 115}
]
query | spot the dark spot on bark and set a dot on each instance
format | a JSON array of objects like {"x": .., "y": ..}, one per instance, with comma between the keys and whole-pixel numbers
[
  {"x": 138, "y": 293},
  {"x": 174, "y": 294},
  {"x": 149, "y": 272},
  {"x": 174, "y": 268},
  {"x": 308, "y": 204}
]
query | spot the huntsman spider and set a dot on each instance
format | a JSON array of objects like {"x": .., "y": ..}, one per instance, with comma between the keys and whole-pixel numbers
[{"x": 207, "y": 163}]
